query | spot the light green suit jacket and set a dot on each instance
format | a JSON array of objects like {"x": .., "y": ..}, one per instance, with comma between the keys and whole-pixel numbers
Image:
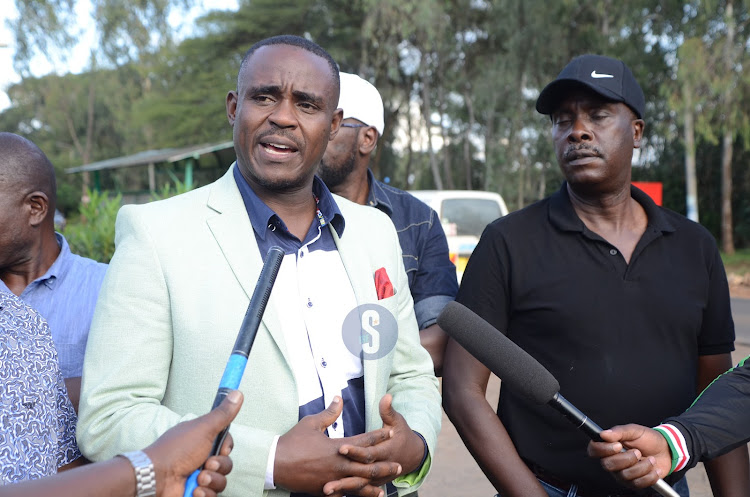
[{"x": 168, "y": 315}]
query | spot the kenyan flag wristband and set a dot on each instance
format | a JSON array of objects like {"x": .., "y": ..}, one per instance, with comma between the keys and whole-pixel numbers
[{"x": 677, "y": 446}]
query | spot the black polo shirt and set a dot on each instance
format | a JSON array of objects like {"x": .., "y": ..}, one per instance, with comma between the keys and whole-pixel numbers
[{"x": 622, "y": 339}]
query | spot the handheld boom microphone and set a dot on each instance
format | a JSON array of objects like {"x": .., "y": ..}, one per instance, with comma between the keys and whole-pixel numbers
[
  {"x": 238, "y": 359},
  {"x": 517, "y": 369}
]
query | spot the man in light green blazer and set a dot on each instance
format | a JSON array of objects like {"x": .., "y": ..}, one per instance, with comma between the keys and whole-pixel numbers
[{"x": 180, "y": 281}]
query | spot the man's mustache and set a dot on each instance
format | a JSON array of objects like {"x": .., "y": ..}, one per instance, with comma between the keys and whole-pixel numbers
[{"x": 577, "y": 151}]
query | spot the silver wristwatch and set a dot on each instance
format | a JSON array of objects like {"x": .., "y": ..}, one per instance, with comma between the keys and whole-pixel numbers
[{"x": 145, "y": 477}]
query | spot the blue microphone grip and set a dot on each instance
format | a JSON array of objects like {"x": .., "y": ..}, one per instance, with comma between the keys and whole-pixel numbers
[{"x": 235, "y": 367}]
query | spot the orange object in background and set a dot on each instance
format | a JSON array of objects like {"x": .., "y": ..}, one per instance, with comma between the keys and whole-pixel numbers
[{"x": 651, "y": 188}]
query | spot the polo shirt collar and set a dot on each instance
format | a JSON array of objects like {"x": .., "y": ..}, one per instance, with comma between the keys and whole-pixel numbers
[
  {"x": 656, "y": 217},
  {"x": 377, "y": 196},
  {"x": 564, "y": 217},
  {"x": 262, "y": 216}
]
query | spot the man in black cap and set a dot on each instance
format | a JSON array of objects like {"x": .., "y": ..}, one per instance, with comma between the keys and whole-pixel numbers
[{"x": 626, "y": 303}]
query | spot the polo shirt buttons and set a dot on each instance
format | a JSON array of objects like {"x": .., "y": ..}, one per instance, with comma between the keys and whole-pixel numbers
[
  {"x": 323, "y": 362},
  {"x": 613, "y": 252}
]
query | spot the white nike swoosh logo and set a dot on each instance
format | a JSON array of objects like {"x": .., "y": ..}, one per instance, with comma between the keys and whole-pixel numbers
[{"x": 596, "y": 75}]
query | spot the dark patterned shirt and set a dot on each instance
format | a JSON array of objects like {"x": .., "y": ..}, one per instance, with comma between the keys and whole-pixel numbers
[{"x": 37, "y": 420}]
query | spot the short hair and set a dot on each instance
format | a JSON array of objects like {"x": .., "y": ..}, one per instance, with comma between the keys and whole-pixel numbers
[
  {"x": 294, "y": 41},
  {"x": 24, "y": 166}
]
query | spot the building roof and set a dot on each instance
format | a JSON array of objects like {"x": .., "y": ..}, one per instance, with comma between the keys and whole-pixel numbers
[{"x": 153, "y": 157}]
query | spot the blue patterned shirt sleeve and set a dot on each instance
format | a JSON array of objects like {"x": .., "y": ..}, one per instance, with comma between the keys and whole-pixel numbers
[
  {"x": 67, "y": 447},
  {"x": 38, "y": 421}
]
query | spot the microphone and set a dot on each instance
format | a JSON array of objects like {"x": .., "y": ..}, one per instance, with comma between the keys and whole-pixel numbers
[
  {"x": 518, "y": 371},
  {"x": 235, "y": 367}
]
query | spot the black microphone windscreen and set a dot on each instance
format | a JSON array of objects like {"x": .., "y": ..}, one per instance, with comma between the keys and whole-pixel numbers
[{"x": 513, "y": 365}]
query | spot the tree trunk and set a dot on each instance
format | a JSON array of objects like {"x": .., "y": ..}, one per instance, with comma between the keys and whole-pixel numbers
[
  {"x": 467, "y": 142},
  {"x": 727, "y": 237},
  {"x": 521, "y": 184},
  {"x": 426, "y": 113},
  {"x": 543, "y": 182},
  {"x": 606, "y": 9},
  {"x": 84, "y": 149},
  {"x": 446, "y": 149},
  {"x": 691, "y": 183},
  {"x": 515, "y": 141},
  {"x": 90, "y": 115},
  {"x": 86, "y": 185},
  {"x": 409, "y": 148},
  {"x": 489, "y": 143}
]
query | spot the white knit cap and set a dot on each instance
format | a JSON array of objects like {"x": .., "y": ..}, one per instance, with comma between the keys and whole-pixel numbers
[{"x": 361, "y": 101}]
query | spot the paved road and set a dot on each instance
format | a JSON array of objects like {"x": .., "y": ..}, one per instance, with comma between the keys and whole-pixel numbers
[
  {"x": 455, "y": 474},
  {"x": 741, "y": 315}
]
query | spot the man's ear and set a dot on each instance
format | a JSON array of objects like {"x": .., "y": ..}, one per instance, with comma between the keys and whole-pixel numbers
[
  {"x": 638, "y": 125},
  {"x": 338, "y": 116},
  {"x": 231, "y": 106},
  {"x": 368, "y": 139},
  {"x": 37, "y": 206}
]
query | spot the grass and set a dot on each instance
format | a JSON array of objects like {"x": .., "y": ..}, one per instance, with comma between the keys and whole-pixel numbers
[{"x": 739, "y": 263}]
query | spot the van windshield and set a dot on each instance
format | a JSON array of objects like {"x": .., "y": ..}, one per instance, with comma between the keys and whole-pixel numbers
[{"x": 470, "y": 215}]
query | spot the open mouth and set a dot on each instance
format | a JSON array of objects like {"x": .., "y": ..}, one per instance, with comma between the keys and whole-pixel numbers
[{"x": 278, "y": 148}]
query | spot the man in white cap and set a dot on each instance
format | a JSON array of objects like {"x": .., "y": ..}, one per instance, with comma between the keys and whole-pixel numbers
[{"x": 345, "y": 170}]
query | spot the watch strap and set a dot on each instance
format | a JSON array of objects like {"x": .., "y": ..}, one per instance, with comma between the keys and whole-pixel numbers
[{"x": 145, "y": 476}]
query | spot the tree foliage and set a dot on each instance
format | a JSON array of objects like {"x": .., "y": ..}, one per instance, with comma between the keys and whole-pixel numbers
[{"x": 459, "y": 81}]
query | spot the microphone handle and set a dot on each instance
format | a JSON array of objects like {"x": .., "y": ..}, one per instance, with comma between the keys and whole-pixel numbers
[
  {"x": 235, "y": 367},
  {"x": 593, "y": 430}
]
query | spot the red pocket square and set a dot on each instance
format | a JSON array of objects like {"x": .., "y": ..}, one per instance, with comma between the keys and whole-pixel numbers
[{"x": 383, "y": 284}]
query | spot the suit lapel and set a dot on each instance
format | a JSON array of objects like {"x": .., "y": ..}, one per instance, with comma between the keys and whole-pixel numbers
[{"x": 233, "y": 232}]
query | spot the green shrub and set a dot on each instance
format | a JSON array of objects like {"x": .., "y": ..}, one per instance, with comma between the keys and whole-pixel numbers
[
  {"x": 92, "y": 234},
  {"x": 177, "y": 187}
]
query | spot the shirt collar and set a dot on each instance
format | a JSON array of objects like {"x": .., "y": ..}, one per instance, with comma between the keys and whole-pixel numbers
[
  {"x": 262, "y": 216},
  {"x": 563, "y": 215},
  {"x": 327, "y": 206},
  {"x": 377, "y": 196},
  {"x": 61, "y": 264}
]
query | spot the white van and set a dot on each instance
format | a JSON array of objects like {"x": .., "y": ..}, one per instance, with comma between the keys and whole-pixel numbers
[{"x": 464, "y": 214}]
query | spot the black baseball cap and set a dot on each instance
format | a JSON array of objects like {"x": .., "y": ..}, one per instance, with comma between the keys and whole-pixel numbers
[{"x": 608, "y": 77}]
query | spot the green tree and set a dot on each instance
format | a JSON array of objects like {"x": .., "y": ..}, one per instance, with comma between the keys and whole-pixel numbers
[{"x": 125, "y": 32}]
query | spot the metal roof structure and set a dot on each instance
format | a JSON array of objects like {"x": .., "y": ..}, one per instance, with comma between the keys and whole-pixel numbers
[{"x": 153, "y": 157}]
